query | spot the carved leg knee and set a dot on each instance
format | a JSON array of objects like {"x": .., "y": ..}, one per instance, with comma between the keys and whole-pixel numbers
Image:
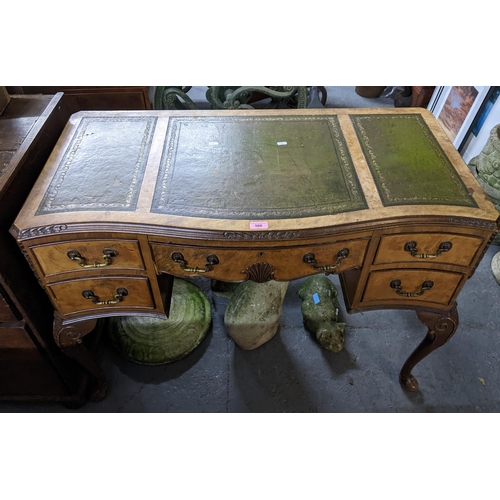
[{"x": 69, "y": 338}]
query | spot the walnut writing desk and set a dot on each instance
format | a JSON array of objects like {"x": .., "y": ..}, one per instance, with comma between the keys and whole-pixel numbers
[{"x": 129, "y": 199}]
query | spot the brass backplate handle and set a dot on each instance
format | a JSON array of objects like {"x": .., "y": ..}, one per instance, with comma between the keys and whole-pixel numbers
[
  {"x": 212, "y": 260},
  {"x": 107, "y": 256},
  {"x": 120, "y": 293},
  {"x": 426, "y": 285},
  {"x": 411, "y": 246},
  {"x": 309, "y": 258}
]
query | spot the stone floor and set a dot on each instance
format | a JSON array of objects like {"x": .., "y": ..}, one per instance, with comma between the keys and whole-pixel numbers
[{"x": 293, "y": 373}]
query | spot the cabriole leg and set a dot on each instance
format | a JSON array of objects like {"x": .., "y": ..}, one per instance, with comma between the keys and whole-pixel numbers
[
  {"x": 69, "y": 338},
  {"x": 442, "y": 326}
]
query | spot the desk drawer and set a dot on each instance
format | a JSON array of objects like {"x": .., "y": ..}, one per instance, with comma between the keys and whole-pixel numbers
[
  {"x": 282, "y": 263},
  {"x": 85, "y": 255},
  {"x": 441, "y": 248},
  {"x": 410, "y": 285},
  {"x": 102, "y": 294}
]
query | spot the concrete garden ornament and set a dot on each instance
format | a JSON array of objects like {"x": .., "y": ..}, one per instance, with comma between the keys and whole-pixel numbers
[
  {"x": 320, "y": 311},
  {"x": 486, "y": 167},
  {"x": 155, "y": 341},
  {"x": 253, "y": 311}
]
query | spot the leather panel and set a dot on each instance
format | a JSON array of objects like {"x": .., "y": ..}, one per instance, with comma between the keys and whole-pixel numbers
[{"x": 256, "y": 167}]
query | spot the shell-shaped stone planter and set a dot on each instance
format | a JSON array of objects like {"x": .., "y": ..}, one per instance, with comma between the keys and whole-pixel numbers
[{"x": 155, "y": 341}]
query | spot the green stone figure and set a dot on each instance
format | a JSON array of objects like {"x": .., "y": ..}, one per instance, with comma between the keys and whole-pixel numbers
[
  {"x": 486, "y": 168},
  {"x": 320, "y": 311}
]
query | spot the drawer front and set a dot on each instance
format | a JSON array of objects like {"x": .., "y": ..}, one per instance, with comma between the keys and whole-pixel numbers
[
  {"x": 410, "y": 285},
  {"x": 260, "y": 265},
  {"x": 86, "y": 255},
  {"x": 102, "y": 294},
  {"x": 428, "y": 247}
]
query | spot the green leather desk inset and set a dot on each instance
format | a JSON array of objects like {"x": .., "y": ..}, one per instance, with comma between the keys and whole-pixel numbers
[
  {"x": 111, "y": 183},
  {"x": 428, "y": 176},
  {"x": 246, "y": 166},
  {"x": 129, "y": 199}
]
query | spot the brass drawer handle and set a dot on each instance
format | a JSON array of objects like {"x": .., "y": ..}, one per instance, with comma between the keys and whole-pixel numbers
[
  {"x": 107, "y": 255},
  {"x": 310, "y": 259},
  {"x": 120, "y": 293},
  {"x": 212, "y": 260},
  {"x": 411, "y": 246},
  {"x": 426, "y": 285}
]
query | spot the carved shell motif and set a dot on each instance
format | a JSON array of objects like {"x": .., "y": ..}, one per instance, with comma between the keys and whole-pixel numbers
[{"x": 260, "y": 272}]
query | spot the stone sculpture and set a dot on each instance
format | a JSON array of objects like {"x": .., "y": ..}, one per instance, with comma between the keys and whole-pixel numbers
[
  {"x": 486, "y": 168},
  {"x": 320, "y": 312},
  {"x": 253, "y": 311},
  {"x": 495, "y": 267},
  {"x": 155, "y": 341}
]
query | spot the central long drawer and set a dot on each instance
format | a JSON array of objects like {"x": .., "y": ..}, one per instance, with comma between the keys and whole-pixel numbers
[{"x": 281, "y": 263}]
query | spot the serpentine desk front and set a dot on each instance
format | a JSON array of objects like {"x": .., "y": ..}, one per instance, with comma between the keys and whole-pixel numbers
[{"x": 130, "y": 199}]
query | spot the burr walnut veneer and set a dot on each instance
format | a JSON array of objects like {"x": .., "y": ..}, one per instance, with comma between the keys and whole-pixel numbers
[{"x": 127, "y": 200}]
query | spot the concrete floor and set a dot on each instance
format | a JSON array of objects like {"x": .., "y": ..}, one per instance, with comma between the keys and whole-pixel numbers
[{"x": 293, "y": 373}]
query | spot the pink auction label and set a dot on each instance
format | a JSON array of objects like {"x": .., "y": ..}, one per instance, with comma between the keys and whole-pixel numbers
[{"x": 258, "y": 225}]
